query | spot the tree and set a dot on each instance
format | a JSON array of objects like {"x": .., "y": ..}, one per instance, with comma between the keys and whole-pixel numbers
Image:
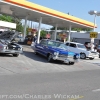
[
  {"x": 43, "y": 34},
  {"x": 73, "y": 29},
  {"x": 59, "y": 28},
  {"x": 19, "y": 28},
  {"x": 6, "y": 18}
]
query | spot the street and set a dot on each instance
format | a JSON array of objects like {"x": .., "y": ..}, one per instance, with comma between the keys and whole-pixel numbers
[{"x": 31, "y": 77}]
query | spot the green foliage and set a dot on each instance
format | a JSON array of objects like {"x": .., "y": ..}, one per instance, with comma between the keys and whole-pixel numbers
[
  {"x": 43, "y": 34},
  {"x": 74, "y": 29},
  {"x": 27, "y": 30},
  {"x": 59, "y": 28},
  {"x": 19, "y": 28},
  {"x": 66, "y": 39},
  {"x": 6, "y": 18},
  {"x": 82, "y": 29},
  {"x": 27, "y": 27}
]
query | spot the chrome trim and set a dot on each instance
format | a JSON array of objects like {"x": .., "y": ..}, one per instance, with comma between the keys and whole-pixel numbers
[{"x": 65, "y": 59}]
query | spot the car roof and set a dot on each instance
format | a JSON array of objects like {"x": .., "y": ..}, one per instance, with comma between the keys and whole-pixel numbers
[
  {"x": 52, "y": 40},
  {"x": 74, "y": 42}
]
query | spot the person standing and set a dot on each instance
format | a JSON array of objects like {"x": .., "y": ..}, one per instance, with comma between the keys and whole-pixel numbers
[
  {"x": 35, "y": 38},
  {"x": 95, "y": 47}
]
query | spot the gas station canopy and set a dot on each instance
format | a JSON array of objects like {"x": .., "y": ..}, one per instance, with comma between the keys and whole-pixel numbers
[{"x": 23, "y": 8}]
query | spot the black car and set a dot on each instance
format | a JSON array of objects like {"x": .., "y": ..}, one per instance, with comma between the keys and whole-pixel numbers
[{"x": 7, "y": 45}]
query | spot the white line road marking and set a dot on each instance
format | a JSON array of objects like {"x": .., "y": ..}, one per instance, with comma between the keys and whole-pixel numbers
[{"x": 97, "y": 90}]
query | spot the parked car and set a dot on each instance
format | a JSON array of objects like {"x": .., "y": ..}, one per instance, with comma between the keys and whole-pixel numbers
[
  {"x": 98, "y": 50},
  {"x": 28, "y": 39},
  {"x": 81, "y": 49},
  {"x": 19, "y": 39},
  {"x": 55, "y": 50},
  {"x": 7, "y": 46}
]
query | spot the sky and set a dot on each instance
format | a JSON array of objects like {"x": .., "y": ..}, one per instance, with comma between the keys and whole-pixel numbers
[{"x": 77, "y": 8}]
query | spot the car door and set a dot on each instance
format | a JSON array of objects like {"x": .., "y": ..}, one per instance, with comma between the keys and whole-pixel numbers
[
  {"x": 67, "y": 44},
  {"x": 73, "y": 47},
  {"x": 45, "y": 47},
  {"x": 40, "y": 48}
]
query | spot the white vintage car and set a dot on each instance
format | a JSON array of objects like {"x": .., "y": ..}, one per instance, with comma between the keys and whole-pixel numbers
[
  {"x": 81, "y": 49},
  {"x": 7, "y": 46}
]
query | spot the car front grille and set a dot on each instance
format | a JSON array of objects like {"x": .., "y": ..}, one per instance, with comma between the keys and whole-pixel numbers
[
  {"x": 94, "y": 53},
  {"x": 14, "y": 48},
  {"x": 63, "y": 56}
]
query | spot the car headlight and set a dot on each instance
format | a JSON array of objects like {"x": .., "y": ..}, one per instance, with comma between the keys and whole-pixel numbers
[
  {"x": 56, "y": 53},
  {"x": 76, "y": 56}
]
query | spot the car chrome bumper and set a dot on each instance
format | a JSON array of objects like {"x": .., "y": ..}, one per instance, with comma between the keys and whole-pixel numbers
[
  {"x": 65, "y": 59},
  {"x": 11, "y": 51},
  {"x": 93, "y": 56}
]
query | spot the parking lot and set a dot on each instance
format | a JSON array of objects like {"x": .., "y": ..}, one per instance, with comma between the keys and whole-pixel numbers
[
  {"x": 33, "y": 75},
  {"x": 28, "y": 62}
]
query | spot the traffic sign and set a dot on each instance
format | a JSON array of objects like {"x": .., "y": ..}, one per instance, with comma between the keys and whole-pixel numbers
[{"x": 93, "y": 34}]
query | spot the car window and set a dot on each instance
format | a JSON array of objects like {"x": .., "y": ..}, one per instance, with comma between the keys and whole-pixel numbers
[
  {"x": 72, "y": 45},
  {"x": 67, "y": 44},
  {"x": 54, "y": 43},
  {"x": 81, "y": 46},
  {"x": 62, "y": 46},
  {"x": 43, "y": 42},
  {"x": 51, "y": 43},
  {"x": 1, "y": 32}
]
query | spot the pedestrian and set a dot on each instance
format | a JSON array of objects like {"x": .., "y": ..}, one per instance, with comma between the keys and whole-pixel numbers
[
  {"x": 35, "y": 38},
  {"x": 95, "y": 47}
]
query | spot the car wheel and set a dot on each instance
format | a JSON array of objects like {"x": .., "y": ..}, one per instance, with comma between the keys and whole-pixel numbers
[
  {"x": 82, "y": 56},
  {"x": 91, "y": 58},
  {"x": 15, "y": 55},
  {"x": 49, "y": 58}
]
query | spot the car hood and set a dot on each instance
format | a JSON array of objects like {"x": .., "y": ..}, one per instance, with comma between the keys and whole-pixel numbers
[
  {"x": 8, "y": 35},
  {"x": 63, "y": 51}
]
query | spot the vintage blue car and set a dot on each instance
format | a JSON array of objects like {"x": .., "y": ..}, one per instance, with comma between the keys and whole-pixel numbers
[{"x": 55, "y": 50}]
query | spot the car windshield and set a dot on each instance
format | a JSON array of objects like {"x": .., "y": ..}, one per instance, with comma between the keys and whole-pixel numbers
[
  {"x": 81, "y": 46},
  {"x": 57, "y": 45}
]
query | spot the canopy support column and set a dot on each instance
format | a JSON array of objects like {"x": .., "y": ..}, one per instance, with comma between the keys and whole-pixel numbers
[
  {"x": 70, "y": 27},
  {"x": 25, "y": 26},
  {"x": 55, "y": 34},
  {"x": 39, "y": 30},
  {"x": 92, "y": 39}
]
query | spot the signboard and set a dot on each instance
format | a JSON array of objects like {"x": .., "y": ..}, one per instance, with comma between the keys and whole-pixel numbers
[
  {"x": 63, "y": 35},
  {"x": 29, "y": 29},
  {"x": 48, "y": 35},
  {"x": 32, "y": 30},
  {"x": 93, "y": 34}
]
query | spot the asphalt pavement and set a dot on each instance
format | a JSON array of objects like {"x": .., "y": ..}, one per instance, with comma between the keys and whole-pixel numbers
[{"x": 31, "y": 77}]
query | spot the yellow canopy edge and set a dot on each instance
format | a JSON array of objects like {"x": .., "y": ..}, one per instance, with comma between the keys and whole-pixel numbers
[{"x": 46, "y": 10}]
